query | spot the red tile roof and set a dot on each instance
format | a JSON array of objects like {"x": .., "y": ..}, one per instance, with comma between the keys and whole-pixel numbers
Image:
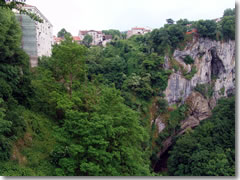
[
  {"x": 138, "y": 28},
  {"x": 83, "y": 32},
  {"x": 28, "y": 5},
  {"x": 194, "y": 30},
  {"x": 86, "y": 31},
  {"x": 76, "y": 38},
  {"x": 57, "y": 39}
]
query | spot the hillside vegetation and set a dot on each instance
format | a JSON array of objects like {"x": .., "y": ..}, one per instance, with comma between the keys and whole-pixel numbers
[{"x": 88, "y": 111}]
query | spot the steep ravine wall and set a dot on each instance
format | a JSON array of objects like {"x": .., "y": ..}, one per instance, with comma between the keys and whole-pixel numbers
[
  {"x": 213, "y": 59},
  {"x": 215, "y": 64}
]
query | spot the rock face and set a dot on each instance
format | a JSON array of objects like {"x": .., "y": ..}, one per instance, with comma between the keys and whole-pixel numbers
[
  {"x": 213, "y": 60},
  {"x": 199, "y": 110},
  {"x": 215, "y": 63},
  {"x": 198, "y": 106},
  {"x": 160, "y": 124}
]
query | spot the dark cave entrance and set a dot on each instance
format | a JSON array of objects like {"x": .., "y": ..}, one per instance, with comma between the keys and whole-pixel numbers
[
  {"x": 161, "y": 165},
  {"x": 217, "y": 67}
]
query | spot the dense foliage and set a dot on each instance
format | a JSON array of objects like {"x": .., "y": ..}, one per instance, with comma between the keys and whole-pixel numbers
[
  {"x": 15, "y": 82},
  {"x": 63, "y": 32},
  {"x": 208, "y": 150},
  {"x": 87, "y": 40},
  {"x": 116, "y": 34},
  {"x": 218, "y": 30},
  {"x": 88, "y": 110},
  {"x": 228, "y": 27},
  {"x": 17, "y": 5},
  {"x": 205, "y": 89},
  {"x": 97, "y": 133},
  {"x": 188, "y": 60},
  {"x": 207, "y": 28},
  {"x": 229, "y": 12}
]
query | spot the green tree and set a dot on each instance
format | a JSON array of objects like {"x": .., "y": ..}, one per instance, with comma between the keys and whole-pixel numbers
[
  {"x": 69, "y": 62},
  {"x": 124, "y": 35},
  {"x": 17, "y": 5},
  {"x": 206, "y": 28},
  {"x": 5, "y": 129},
  {"x": 188, "y": 60},
  {"x": 15, "y": 82},
  {"x": 219, "y": 166},
  {"x": 170, "y": 21},
  {"x": 87, "y": 40},
  {"x": 14, "y": 62},
  {"x": 228, "y": 27},
  {"x": 210, "y": 148},
  {"x": 104, "y": 140},
  {"x": 184, "y": 22},
  {"x": 166, "y": 39},
  {"x": 176, "y": 35},
  {"x": 160, "y": 40},
  {"x": 229, "y": 12},
  {"x": 63, "y": 32}
]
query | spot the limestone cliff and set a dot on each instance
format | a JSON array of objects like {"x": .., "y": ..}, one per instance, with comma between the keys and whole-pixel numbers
[
  {"x": 213, "y": 60},
  {"x": 215, "y": 64}
]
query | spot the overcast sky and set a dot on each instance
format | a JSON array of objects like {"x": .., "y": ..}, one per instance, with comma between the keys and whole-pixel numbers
[{"x": 75, "y": 15}]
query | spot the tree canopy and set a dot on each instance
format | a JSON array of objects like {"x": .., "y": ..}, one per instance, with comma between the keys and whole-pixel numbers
[
  {"x": 170, "y": 21},
  {"x": 90, "y": 110},
  {"x": 229, "y": 12},
  {"x": 15, "y": 89},
  {"x": 63, "y": 32},
  {"x": 207, "y": 28},
  {"x": 18, "y": 5},
  {"x": 87, "y": 40}
]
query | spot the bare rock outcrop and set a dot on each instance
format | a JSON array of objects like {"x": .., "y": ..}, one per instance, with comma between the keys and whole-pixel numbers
[
  {"x": 198, "y": 106},
  {"x": 215, "y": 63},
  {"x": 213, "y": 60}
]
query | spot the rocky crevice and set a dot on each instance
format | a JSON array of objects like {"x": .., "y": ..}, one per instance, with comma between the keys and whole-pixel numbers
[{"x": 217, "y": 67}]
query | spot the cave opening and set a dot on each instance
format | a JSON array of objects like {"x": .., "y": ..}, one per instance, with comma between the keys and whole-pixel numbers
[
  {"x": 161, "y": 165},
  {"x": 217, "y": 67}
]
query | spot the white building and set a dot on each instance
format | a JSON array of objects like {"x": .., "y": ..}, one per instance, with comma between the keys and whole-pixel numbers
[
  {"x": 37, "y": 39},
  {"x": 57, "y": 40},
  {"x": 106, "y": 39},
  {"x": 96, "y": 35},
  {"x": 137, "y": 31},
  {"x": 23, "y": 1}
]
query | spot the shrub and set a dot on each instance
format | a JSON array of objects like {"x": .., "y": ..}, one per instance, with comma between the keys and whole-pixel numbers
[
  {"x": 162, "y": 105},
  {"x": 190, "y": 75},
  {"x": 205, "y": 89},
  {"x": 188, "y": 60},
  {"x": 207, "y": 28}
]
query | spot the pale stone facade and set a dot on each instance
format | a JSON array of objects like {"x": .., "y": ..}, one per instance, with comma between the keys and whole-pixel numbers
[
  {"x": 106, "y": 39},
  {"x": 37, "y": 38},
  {"x": 137, "y": 31},
  {"x": 44, "y": 33},
  {"x": 57, "y": 40},
  {"x": 99, "y": 38},
  {"x": 96, "y": 35}
]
